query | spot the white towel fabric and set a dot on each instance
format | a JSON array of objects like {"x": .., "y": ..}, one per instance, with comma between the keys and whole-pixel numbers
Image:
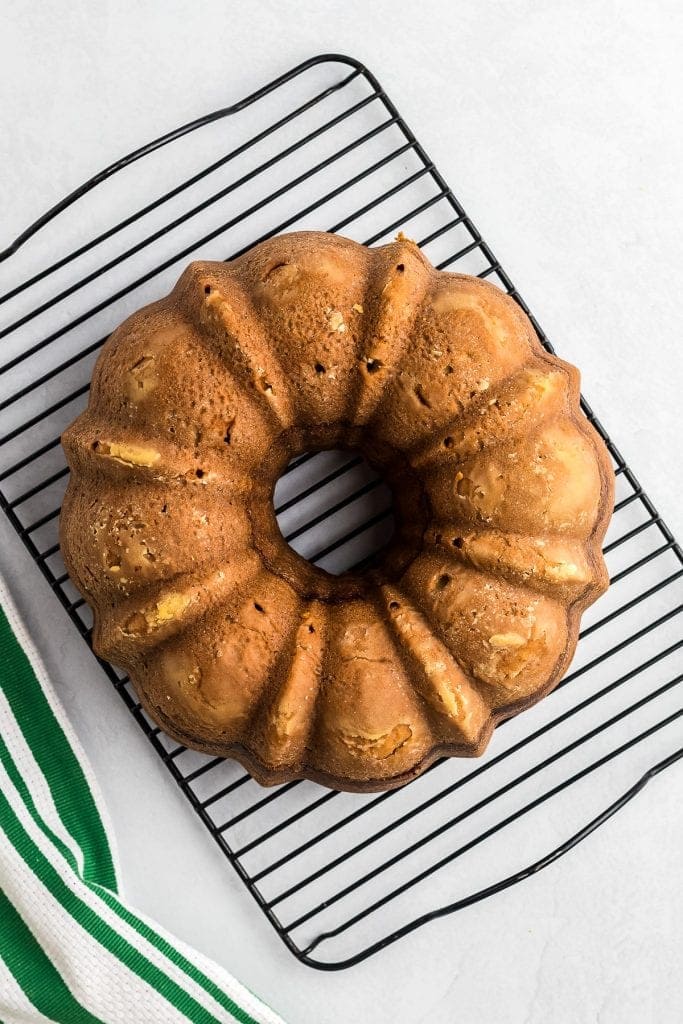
[{"x": 71, "y": 950}]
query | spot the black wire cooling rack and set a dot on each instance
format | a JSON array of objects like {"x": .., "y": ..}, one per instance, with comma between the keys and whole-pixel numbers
[{"x": 338, "y": 875}]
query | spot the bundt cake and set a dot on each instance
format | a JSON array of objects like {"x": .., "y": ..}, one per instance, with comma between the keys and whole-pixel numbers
[{"x": 239, "y": 647}]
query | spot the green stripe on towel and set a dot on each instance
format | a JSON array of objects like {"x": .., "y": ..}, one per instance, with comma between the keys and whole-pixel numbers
[{"x": 57, "y": 761}]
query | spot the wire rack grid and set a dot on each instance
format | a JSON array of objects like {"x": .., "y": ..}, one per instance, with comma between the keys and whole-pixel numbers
[{"x": 338, "y": 875}]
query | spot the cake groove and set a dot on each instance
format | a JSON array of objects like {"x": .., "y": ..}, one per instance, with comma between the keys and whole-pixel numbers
[
  {"x": 546, "y": 564},
  {"x": 388, "y": 333},
  {"x": 444, "y": 685},
  {"x": 508, "y": 640},
  {"x": 287, "y": 721},
  {"x": 313, "y": 311},
  {"x": 164, "y": 608},
  {"x": 525, "y": 400},
  {"x": 225, "y": 311}
]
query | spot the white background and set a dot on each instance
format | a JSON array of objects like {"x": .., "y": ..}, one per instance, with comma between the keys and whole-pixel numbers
[{"x": 559, "y": 126}]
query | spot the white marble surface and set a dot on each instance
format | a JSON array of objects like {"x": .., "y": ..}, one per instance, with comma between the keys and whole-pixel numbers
[{"x": 559, "y": 127}]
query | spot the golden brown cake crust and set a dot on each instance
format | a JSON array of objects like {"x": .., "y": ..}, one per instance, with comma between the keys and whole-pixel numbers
[{"x": 239, "y": 647}]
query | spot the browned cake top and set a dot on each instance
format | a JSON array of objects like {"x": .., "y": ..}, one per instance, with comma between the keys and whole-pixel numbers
[{"x": 236, "y": 645}]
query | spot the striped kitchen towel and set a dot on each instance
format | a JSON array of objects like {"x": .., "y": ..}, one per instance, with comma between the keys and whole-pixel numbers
[{"x": 71, "y": 950}]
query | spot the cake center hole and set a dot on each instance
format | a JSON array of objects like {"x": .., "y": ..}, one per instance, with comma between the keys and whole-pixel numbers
[{"x": 334, "y": 510}]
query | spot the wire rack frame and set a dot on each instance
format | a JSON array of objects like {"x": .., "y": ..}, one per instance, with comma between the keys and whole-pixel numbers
[{"x": 345, "y": 872}]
